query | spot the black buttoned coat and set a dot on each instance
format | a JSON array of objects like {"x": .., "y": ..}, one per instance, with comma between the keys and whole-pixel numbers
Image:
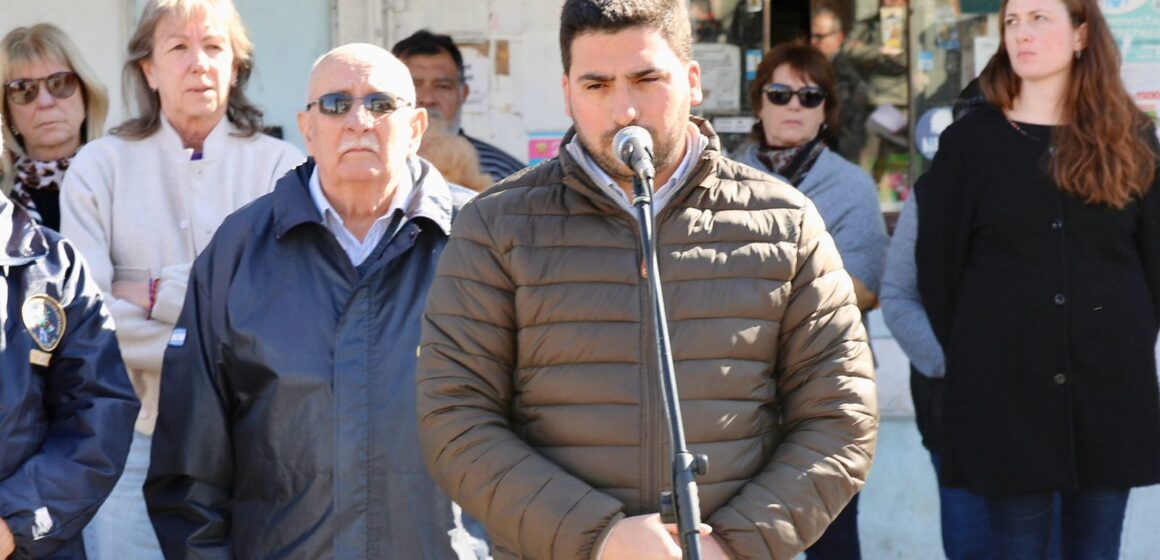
[{"x": 1048, "y": 309}]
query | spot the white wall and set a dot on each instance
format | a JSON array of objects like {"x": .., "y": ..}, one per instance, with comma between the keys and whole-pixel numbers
[{"x": 288, "y": 36}]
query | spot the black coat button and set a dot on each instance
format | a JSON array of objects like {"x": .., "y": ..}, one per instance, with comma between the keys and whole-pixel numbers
[
  {"x": 1060, "y": 299},
  {"x": 1060, "y": 379},
  {"x": 1057, "y": 224}
]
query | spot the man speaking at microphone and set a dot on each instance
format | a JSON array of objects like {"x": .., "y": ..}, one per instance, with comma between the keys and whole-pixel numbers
[{"x": 540, "y": 407}]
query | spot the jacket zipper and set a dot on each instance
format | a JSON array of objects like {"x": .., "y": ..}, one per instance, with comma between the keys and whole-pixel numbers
[{"x": 652, "y": 414}]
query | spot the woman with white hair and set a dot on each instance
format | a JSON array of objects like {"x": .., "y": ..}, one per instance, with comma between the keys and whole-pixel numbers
[{"x": 141, "y": 203}]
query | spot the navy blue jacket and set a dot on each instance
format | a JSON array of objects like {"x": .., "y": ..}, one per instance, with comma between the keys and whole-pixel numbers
[
  {"x": 66, "y": 405},
  {"x": 288, "y": 424}
]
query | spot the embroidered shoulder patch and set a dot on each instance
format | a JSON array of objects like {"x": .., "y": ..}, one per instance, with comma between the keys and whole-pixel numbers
[{"x": 45, "y": 320}]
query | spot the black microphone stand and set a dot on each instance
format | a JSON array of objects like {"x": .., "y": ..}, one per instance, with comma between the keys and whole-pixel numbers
[{"x": 685, "y": 509}]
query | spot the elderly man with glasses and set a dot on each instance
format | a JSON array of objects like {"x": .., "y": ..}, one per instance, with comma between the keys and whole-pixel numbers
[{"x": 288, "y": 425}]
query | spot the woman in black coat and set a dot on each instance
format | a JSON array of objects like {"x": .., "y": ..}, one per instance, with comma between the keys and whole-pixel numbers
[{"x": 1039, "y": 264}]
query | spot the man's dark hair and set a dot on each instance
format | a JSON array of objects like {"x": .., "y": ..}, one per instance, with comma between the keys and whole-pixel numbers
[
  {"x": 670, "y": 17},
  {"x": 426, "y": 43}
]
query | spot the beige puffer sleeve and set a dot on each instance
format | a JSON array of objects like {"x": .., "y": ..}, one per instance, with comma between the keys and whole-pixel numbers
[
  {"x": 531, "y": 507},
  {"x": 829, "y": 412}
]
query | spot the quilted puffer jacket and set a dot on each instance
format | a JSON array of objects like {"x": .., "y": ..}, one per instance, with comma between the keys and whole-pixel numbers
[{"x": 539, "y": 405}]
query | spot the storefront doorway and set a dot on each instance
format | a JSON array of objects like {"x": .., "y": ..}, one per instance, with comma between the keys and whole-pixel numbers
[{"x": 915, "y": 57}]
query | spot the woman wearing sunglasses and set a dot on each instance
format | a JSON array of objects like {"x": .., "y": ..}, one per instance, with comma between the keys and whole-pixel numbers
[
  {"x": 53, "y": 104},
  {"x": 793, "y": 96},
  {"x": 141, "y": 203},
  {"x": 1038, "y": 263}
]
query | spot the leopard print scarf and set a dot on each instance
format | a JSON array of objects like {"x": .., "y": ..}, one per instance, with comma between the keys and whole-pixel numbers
[{"x": 35, "y": 175}]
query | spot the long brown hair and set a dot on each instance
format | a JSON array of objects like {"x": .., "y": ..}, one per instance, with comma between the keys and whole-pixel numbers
[{"x": 1103, "y": 153}]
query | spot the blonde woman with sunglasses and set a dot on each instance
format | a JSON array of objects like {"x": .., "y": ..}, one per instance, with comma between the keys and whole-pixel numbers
[{"x": 53, "y": 104}]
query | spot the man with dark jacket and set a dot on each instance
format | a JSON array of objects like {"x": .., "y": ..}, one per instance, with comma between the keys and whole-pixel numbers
[
  {"x": 66, "y": 406},
  {"x": 288, "y": 419},
  {"x": 539, "y": 405}
]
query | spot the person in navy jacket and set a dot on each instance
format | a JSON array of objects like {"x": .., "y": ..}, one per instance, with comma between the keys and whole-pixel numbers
[{"x": 66, "y": 405}]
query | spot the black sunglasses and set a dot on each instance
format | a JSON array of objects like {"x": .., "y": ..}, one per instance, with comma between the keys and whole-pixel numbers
[
  {"x": 379, "y": 103},
  {"x": 780, "y": 94},
  {"x": 60, "y": 85}
]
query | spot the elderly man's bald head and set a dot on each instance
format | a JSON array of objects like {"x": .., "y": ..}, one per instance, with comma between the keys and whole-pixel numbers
[
  {"x": 359, "y": 146},
  {"x": 367, "y": 59}
]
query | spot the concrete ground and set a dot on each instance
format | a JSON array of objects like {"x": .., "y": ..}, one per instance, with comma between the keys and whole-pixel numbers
[{"x": 899, "y": 518}]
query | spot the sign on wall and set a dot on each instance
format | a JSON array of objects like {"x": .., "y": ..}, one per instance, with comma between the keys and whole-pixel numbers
[
  {"x": 1136, "y": 26},
  {"x": 720, "y": 76}
]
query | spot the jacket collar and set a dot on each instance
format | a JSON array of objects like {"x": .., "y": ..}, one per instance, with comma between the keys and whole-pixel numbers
[
  {"x": 293, "y": 205},
  {"x": 23, "y": 240},
  {"x": 215, "y": 146},
  {"x": 575, "y": 176}
]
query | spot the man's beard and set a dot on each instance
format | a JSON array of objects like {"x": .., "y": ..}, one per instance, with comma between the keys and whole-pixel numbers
[
  {"x": 665, "y": 151},
  {"x": 435, "y": 116}
]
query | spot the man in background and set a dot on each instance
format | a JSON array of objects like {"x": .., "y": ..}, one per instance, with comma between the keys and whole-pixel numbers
[
  {"x": 436, "y": 65},
  {"x": 827, "y": 35}
]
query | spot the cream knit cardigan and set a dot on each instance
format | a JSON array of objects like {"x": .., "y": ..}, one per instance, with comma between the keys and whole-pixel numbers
[{"x": 140, "y": 209}]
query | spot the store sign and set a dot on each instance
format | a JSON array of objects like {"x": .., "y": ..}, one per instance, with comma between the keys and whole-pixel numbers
[
  {"x": 1136, "y": 27},
  {"x": 720, "y": 76}
]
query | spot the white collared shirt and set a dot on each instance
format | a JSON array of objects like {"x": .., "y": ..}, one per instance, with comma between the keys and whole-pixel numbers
[
  {"x": 695, "y": 144},
  {"x": 358, "y": 251}
]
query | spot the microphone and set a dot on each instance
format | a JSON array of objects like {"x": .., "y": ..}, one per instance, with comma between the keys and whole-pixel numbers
[{"x": 633, "y": 146}]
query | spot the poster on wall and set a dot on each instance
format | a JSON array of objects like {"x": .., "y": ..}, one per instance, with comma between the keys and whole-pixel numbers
[
  {"x": 477, "y": 69},
  {"x": 720, "y": 76},
  {"x": 1136, "y": 27},
  {"x": 544, "y": 145}
]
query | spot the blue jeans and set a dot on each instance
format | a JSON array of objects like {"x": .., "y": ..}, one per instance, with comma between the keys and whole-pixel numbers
[
  {"x": 121, "y": 529},
  {"x": 966, "y": 524},
  {"x": 1091, "y": 524},
  {"x": 966, "y": 527}
]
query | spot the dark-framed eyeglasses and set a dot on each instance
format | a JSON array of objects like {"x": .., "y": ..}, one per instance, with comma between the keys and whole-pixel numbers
[
  {"x": 815, "y": 37},
  {"x": 780, "y": 94},
  {"x": 379, "y": 103},
  {"x": 60, "y": 85}
]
